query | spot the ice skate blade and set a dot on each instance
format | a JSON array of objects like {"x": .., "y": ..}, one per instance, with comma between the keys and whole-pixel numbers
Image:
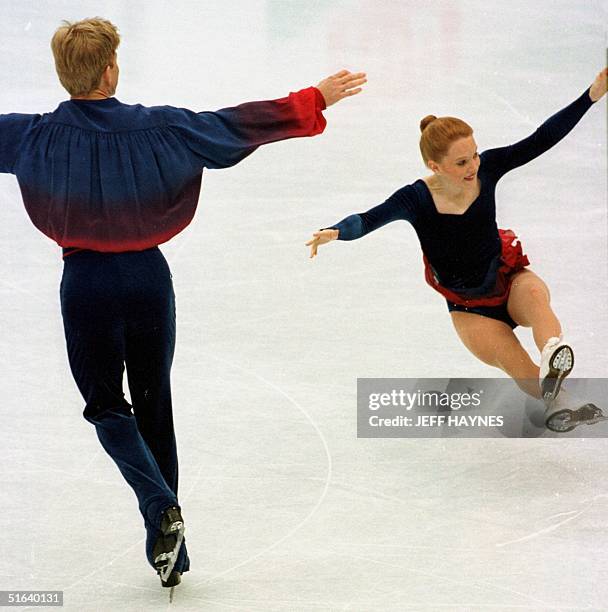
[
  {"x": 174, "y": 580},
  {"x": 560, "y": 365},
  {"x": 566, "y": 420}
]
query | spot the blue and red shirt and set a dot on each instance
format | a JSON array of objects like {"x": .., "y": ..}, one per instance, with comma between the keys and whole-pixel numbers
[{"x": 112, "y": 177}]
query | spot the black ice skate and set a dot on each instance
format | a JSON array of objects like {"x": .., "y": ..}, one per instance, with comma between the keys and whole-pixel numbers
[
  {"x": 557, "y": 361},
  {"x": 167, "y": 546},
  {"x": 561, "y": 419}
]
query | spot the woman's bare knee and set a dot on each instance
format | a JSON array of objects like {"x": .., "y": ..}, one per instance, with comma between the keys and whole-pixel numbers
[{"x": 529, "y": 298}]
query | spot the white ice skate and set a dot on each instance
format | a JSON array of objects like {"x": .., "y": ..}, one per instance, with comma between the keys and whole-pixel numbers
[
  {"x": 565, "y": 412},
  {"x": 557, "y": 361}
]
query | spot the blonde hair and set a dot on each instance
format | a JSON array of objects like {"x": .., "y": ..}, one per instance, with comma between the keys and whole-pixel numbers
[
  {"x": 82, "y": 50},
  {"x": 438, "y": 133}
]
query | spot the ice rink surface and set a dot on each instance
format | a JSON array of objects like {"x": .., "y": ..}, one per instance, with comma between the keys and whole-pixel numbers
[{"x": 286, "y": 510}]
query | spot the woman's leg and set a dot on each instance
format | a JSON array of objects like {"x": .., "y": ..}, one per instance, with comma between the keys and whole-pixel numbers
[
  {"x": 529, "y": 306},
  {"x": 494, "y": 343}
]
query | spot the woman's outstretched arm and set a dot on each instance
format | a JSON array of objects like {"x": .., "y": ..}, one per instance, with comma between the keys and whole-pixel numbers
[
  {"x": 400, "y": 206},
  {"x": 554, "y": 129}
]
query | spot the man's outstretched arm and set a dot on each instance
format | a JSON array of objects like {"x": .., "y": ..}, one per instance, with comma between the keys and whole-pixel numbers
[{"x": 223, "y": 138}]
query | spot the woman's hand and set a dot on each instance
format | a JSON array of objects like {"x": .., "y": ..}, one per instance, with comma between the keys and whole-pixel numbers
[
  {"x": 341, "y": 85},
  {"x": 599, "y": 86},
  {"x": 321, "y": 237}
]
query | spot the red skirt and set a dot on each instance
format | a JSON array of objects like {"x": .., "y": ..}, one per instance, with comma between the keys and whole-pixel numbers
[{"x": 512, "y": 260}]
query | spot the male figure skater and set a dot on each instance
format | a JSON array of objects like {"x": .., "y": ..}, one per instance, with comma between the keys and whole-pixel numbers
[{"x": 109, "y": 182}]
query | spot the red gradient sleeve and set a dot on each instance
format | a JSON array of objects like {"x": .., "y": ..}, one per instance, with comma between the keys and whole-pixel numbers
[{"x": 223, "y": 138}]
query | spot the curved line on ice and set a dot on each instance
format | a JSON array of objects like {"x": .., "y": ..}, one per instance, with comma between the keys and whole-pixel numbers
[{"x": 323, "y": 492}]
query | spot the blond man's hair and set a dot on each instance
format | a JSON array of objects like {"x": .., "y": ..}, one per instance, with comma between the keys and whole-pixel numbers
[{"x": 82, "y": 50}]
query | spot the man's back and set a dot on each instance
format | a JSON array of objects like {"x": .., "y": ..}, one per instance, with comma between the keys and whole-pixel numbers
[{"x": 111, "y": 177}]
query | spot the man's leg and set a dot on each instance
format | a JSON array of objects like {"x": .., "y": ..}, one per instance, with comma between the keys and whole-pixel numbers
[
  {"x": 150, "y": 346},
  {"x": 95, "y": 335},
  {"x": 149, "y": 355}
]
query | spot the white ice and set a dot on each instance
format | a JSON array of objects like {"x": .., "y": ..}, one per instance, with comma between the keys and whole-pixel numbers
[{"x": 286, "y": 509}]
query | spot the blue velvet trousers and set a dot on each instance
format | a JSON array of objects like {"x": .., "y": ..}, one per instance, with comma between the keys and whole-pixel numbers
[{"x": 119, "y": 312}]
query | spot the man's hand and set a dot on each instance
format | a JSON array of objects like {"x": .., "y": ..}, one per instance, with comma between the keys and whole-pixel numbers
[{"x": 341, "y": 85}]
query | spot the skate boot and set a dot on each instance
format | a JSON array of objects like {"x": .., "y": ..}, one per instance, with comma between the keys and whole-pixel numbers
[
  {"x": 167, "y": 546},
  {"x": 557, "y": 361},
  {"x": 565, "y": 413}
]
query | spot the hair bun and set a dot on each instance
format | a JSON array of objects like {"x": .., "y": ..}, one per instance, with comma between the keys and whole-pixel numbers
[{"x": 428, "y": 119}]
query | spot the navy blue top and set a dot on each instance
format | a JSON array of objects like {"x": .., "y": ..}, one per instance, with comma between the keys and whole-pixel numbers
[
  {"x": 461, "y": 248},
  {"x": 113, "y": 177}
]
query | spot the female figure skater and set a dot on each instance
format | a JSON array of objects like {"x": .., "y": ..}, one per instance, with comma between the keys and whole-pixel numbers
[
  {"x": 477, "y": 267},
  {"x": 109, "y": 182}
]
